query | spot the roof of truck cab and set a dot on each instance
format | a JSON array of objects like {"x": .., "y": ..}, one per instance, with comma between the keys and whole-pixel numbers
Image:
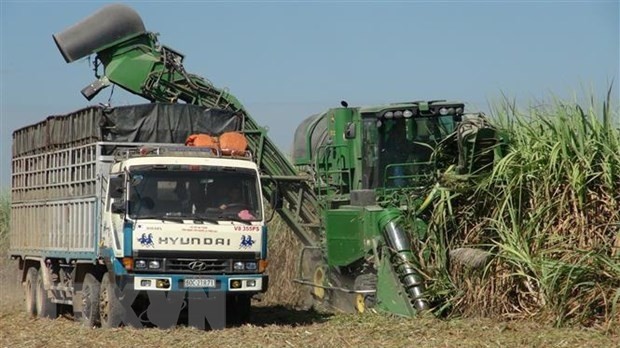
[{"x": 172, "y": 160}]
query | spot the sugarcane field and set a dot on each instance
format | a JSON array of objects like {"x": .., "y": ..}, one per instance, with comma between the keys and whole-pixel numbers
[{"x": 275, "y": 174}]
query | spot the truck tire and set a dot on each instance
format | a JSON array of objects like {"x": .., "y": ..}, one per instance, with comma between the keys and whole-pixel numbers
[
  {"x": 89, "y": 316},
  {"x": 111, "y": 310},
  {"x": 30, "y": 291},
  {"x": 238, "y": 309},
  {"x": 45, "y": 307}
]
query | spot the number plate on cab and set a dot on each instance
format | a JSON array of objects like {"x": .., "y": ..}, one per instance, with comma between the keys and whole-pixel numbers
[{"x": 199, "y": 283}]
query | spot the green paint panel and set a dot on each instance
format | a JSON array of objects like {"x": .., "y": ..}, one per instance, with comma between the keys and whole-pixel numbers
[
  {"x": 372, "y": 214},
  {"x": 345, "y": 242},
  {"x": 130, "y": 62},
  {"x": 131, "y": 69},
  {"x": 391, "y": 296}
]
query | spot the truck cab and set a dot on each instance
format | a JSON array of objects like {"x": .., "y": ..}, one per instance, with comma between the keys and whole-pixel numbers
[{"x": 186, "y": 219}]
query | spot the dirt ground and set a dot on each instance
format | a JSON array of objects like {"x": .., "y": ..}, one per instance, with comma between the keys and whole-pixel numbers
[{"x": 281, "y": 326}]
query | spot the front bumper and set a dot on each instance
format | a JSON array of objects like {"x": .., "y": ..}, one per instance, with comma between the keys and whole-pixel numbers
[{"x": 233, "y": 283}]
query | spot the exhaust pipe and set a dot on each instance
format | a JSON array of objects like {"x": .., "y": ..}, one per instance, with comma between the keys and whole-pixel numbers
[
  {"x": 110, "y": 24},
  {"x": 402, "y": 260}
]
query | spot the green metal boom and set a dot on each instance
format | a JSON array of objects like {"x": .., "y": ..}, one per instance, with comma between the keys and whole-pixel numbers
[{"x": 137, "y": 63}]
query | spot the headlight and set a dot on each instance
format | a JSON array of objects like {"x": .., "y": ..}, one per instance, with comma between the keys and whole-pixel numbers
[
  {"x": 141, "y": 264},
  {"x": 407, "y": 113},
  {"x": 238, "y": 266},
  {"x": 250, "y": 266},
  {"x": 388, "y": 114},
  {"x": 154, "y": 264}
]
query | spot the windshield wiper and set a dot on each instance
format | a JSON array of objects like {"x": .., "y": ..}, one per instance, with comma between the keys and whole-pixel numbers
[
  {"x": 235, "y": 218},
  {"x": 162, "y": 218},
  {"x": 201, "y": 218}
]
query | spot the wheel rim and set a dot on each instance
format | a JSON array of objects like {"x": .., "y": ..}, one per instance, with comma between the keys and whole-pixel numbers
[
  {"x": 360, "y": 303},
  {"x": 30, "y": 300},
  {"x": 39, "y": 293},
  {"x": 103, "y": 304},
  {"x": 86, "y": 302},
  {"x": 319, "y": 276}
]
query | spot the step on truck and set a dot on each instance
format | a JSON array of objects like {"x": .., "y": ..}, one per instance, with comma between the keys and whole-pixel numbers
[{"x": 115, "y": 220}]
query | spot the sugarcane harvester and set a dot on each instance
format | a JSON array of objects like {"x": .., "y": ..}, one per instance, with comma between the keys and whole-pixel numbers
[{"x": 351, "y": 164}]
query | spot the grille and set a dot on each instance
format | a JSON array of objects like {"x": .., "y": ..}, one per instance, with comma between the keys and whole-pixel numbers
[{"x": 198, "y": 266}]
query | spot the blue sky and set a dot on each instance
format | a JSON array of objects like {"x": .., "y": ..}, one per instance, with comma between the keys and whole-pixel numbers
[{"x": 288, "y": 60}]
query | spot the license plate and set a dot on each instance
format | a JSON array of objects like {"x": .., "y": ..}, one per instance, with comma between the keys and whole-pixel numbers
[{"x": 199, "y": 283}]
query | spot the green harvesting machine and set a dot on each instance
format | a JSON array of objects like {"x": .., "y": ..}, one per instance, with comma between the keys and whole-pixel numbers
[
  {"x": 360, "y": 186},
  {"x": 375, "y": 171}
]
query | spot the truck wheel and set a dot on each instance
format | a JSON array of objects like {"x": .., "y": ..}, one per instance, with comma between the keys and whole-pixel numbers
[
  {"x": 110, "y": 308},
  {"x": 238, "y": 309},
  {"x": 45, "y": 307},
  {"x": 30, "y": 291},
  {"x": 89, "y": 316}
]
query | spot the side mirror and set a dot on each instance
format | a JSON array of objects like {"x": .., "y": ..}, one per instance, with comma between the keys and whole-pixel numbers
[
  {"x": 349, "y": 133},
  {"x": 118, "y": 207},
  {"x": 117, "y": 187},
  {"x": 276, "y": 200},
  {"x": 276, "y": 204}
]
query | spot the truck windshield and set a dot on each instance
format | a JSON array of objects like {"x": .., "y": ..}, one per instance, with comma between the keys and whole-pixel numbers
[
  {"x": 403, "y": 148},
  {"x": 203, "y": 193}
]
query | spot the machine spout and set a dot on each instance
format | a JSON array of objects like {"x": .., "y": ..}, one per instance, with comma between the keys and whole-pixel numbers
[
  {"x": 402, "y": 260},
  {"x": 112, "y": 23}
]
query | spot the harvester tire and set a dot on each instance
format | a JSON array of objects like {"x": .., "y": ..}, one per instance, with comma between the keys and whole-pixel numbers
[
  {"x": 339, "y": 301},
  {"x": 366, "y": 281},
  {"x": 313, "y": 269},
  {"x": 30, "y": 291},
  {"x": 89, "y": 316},
  {"x": 45, "y": 307}
]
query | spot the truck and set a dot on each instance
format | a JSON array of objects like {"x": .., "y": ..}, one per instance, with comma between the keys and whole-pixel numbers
[
  {"x": 358, "y": 191},
  {"x": 115, "y": 219}
]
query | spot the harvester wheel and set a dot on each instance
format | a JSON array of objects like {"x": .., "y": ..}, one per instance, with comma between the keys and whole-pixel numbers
[
  {"x": 365, "y": 301},
  {"x": 30, "y": 287},
  {"x": 311, "y": 261},
  {"x": 337, "y": 300}
]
